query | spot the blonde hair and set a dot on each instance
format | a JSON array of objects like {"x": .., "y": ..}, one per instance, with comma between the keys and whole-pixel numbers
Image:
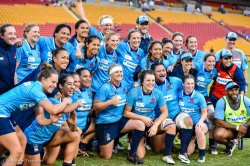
[
  {"x": 27, "y": 28},
  {"x": 109, "y": 35},
  {"x": 104, "y": 17}
]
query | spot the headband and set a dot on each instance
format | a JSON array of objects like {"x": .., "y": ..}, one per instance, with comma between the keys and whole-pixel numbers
[
  {"x": 115, "y": 69},
  {"x": 106, "y": 21}
]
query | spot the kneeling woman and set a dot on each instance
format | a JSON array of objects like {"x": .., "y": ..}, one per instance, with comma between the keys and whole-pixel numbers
[
  {"x": 140, "y": 105},
  {"x": 109, "y": 104},
  {"x": 50, "y": 131},
  {"x": 191, "y": 120}
]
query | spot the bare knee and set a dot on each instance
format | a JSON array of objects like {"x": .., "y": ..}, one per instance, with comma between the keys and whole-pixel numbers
[
  {"x": 218, "y": 135},
  {"x": 171, "y": 129},
  {"x": 106, "y": 156},
  {"x": 139, "y": 125},
  {"x": 188, "y": 122},
  {"x": 17, "y": 152},
  {"x": 75, "y": 136}
]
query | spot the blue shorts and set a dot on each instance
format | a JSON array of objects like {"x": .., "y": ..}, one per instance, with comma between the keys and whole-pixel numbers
[
  {"x": 6, "y": 126},
  {"x": 105, "y": 133},
  {"x": 34, "y": 149}
]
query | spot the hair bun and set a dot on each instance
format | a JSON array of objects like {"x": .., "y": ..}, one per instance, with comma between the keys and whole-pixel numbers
[{"x": 46, "y": 66}]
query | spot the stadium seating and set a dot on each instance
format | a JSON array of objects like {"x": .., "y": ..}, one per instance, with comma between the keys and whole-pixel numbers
[{"x": 13, "y": 2}]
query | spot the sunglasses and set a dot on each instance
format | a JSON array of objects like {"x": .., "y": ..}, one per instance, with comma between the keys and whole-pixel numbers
[{"x": 232, "y": 39}]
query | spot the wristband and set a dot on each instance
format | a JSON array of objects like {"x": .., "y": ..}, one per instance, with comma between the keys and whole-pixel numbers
[{"x": 237, "y": 128}]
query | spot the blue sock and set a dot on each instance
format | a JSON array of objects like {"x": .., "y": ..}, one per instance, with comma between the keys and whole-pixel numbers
[
  {"x": 169, "y": 141},
  {"x": 67, "y": 164},
  {"x": 202, "y": 152},
  {"x": 186, "y": 135},
  {"x": 73, "y": 161},
  {"x": 136, "y": 138}
]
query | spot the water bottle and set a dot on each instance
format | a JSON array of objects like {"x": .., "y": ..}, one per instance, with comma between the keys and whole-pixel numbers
[{"x": 240, "y": 143}]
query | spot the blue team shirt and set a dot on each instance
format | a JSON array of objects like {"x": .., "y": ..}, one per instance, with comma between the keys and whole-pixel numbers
[
  {"x": 144, "y": 104},
  {"x": 47, "y": 45},
  {"x": 192, "y": 104},
  {"x": 175, "y": 56},
  {"x": 85, "y": 96},
  {"x": 37, "y": 134},
  {"x": 29, "y": 59},
  {"x": 21, "y": 98},
  {"x": 94, "y": 31},
  {"x": 203, "y": 79},
  {"x": 112, "y": 113},
  {"x": 101, "y": 75},
  {"x": 170, "y": 90},
  {"x": 220, "y": 107},
  {"x": 198, "y": 58},
  {"x": 130, "y": 61}
]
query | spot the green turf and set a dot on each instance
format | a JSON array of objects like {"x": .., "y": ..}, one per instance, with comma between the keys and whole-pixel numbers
[{"x": 239, "y": 158}]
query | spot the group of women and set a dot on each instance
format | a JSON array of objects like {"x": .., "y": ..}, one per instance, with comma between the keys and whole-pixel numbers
[{"x": 95, "y": 86}]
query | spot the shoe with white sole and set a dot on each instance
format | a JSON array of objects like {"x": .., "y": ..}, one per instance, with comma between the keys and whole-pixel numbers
[
  {"x": 168, "y": 159},
  {"x": 184, "y": 158}
]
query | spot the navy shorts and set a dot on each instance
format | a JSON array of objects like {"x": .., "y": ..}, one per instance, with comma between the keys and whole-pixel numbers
[
  {"x": 208, "y": 100},
  {"x": 105, "y": 133},
  {"x": 6, "y": 126}
]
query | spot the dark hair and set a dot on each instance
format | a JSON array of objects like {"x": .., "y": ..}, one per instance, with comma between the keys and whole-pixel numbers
[
  {"x": 150, "y": 54},
  {"x": 189, "y": 76},
  {"x": 3, "y": 28},
  {"x": 88, "y": 40},
  {"x": 79, "y": 22},
  {"x": 166, "y": 40},
  {"x": 131, "y": 32},
  {"x": 208, "y": 55},
  {"x": 144, "y": 73},
  {"x": 187, "y": 39},
  {"x": 46, "y": 71},
  {"x": 179, "y": 59},
  {"x": 73, "y": 73},
  {"x": 153, "y": 66},
  {"x": 59, "y": 27},
  {"x": 62, "y": 79},
  {"x": 80, "y": 70},
  {"x": 57, "y": 51}
]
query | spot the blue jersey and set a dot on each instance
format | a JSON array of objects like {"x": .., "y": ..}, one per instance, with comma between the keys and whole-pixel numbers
[
  {"x": 170, "y": 90},
  {"x": 219, "y": 112},
  {"x": 144, "y": 104},
  {"x": 21, "y": 98},
  {"x": 112, "y": 113},
  {"x": 29, "y": 60},
  {"x": 192, "y": 104},
  {"x": 94, "y": 31},
  {"x": 175, "y": 56},
  {"x": 74, "y": 41},
  {"x": 203, "y": 79},
  {"x": 130, "y": 61},
  {"x": 37, "y": 134},
  {"x": 47, "y": 45},
  {"x": 85, "y": 96},
  {"x": 239, "y": 58},
  {"x": 198, "y": 58},
  {"x": 101, "y": 75}
]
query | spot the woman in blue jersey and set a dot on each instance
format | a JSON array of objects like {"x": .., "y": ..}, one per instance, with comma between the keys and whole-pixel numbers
[
  {"x": 192, "y": 121},
  {"x": 205, "y": 75},
  {"x": 81, "y": 33},
  {"x": 192, "y": 47},
  {"x": 183, "y": 66},
  {"x": 84, "y": 121},
  {"x": 90, "y": 51},
  {"x": 154, "y": 55},
  {"x": 178, "y": 41},
  {"x": 166, "y": 52},
  {"x": 28, "y": 55},
  {"x": 23, "y": 97},
  {"x": 109, "y": 104},
  {"x": 170, "y": 87},
  {"x": 107, "y": 56},
  {"x": 50, "y": 131},
  {"x": 129, "y": 56},
  {"x": 140, "y": 105}
]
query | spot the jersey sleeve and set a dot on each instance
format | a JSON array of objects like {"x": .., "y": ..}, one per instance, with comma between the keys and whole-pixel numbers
[
  {"x": 102, "y": 93},
  {"x": 161, "y": 101},
  {"x": 131, "y": 97},
  {"x": 219, "y": 109},
  {"x": 36, "y": 94},
  {"x": 244, "y": 65},
  {"x": 217, "y": 56},
  {"x": 94, "y": 31},
  {"x": 247, "y": 104},
  {"x": 202, "y": 101},
  {"x": 19, "y": 53}
]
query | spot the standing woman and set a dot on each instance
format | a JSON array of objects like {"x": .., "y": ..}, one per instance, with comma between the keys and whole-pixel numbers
[
  {"x": 154, "y": 55},
  {"x": 28, "y": 55},
  {"x": 81, "y": 33},
  {"x": 107, "y": 57},
  {"x": 90, "y": 58},
  {"x": 7, "y": 57},
  {"x": 51, "y": 131},
  {"x": 129, "y": 56},
  {"x": 183, "y": 66},
  {"x": 191, "y": 121},
  {"x": 26, "y": 96},
  {"x": 84, "y": 120},
  {"x": 109, "y": 104},
  {"x": 140, "y": 105},
  {"x": 178, "y": 40}
]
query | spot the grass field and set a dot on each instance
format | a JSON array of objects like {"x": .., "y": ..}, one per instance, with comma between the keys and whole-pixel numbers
[{"x": 240, "y": 157}]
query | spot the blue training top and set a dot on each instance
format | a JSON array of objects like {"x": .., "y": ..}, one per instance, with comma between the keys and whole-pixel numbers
[
  {"x": 112, "y": 113},
  {"x": 144, "y": 104},
  {"x": 170, "y": 90},
  {"x": 37, "y": 134},
  {"x": 21, "y": 98},
  {"x": 198, "y": 58},
  {"x": 192, "y": 104},
  {"x": 85, "y": 96}
]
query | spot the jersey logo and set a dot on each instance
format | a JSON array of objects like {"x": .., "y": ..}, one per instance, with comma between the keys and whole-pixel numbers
[
  {"x": 152, "y": 100},
  {"x": 168, "y": 86},
  {"x": 191, "y": 100},
  {"x": 128, "y": 57},
  {"x": 124, "y": 90}
]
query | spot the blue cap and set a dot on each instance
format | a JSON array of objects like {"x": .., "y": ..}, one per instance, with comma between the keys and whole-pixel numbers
[
  {"x": 231, "y": 35},
  {"x": 231, "y": 85},
  {"x": 142, "y": 19},
  {"x": 186, "y": 56},
  {"x": 226, "y": 53}
]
